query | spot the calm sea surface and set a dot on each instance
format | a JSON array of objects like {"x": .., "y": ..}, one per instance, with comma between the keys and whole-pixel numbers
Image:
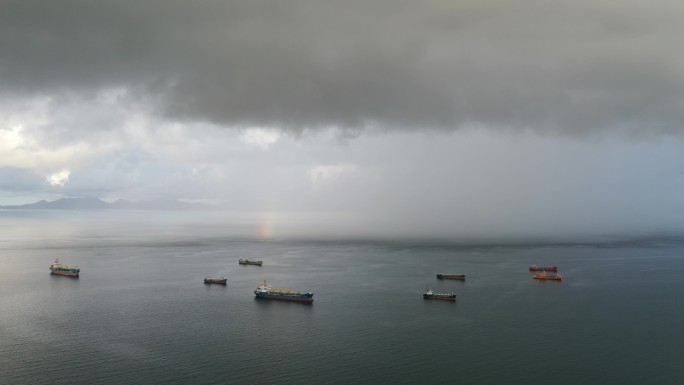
[{"x": 140, "y": 313}]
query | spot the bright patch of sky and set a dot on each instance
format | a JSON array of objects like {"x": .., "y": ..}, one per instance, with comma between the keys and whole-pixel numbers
[
  {"x": 262, "y": 138},
  {"x": 330, "y": 174},
  {"x": 59, "y": 178}
]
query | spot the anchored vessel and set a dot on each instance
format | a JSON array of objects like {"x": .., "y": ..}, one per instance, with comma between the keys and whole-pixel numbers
[
  {"x": 441, "y": 296},
  {"x": 548, "y": 277},
  {"x": 248, "y": 262},
  {"x": 543, "y": 268},
  {"x": 460, "y": 277},
  {"x": 58, "y": 268},
  {"x": 218, "y": 281},
  {"x": 265, "y": 291}
]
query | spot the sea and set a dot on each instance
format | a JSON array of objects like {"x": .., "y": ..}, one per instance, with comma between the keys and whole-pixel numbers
[{"x": 140, "y": 313}]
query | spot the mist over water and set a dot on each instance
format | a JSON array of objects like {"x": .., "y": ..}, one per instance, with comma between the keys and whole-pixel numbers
[{"x": 141, "y": 314}]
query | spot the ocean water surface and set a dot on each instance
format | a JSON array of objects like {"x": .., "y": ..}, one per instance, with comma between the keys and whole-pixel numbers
[{"x": 140, "y": 314}]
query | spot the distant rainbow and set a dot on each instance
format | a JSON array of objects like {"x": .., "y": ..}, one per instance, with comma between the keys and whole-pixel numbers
[{"x": 266, "y": 226}]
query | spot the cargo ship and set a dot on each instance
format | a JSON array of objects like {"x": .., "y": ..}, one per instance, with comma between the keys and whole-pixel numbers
[
  {"x": 249, "y": 262},
  {"x": 460, "y": 277},
  {"x": 548, "y": 277},
  {"x": 265, "y": 291},
  {"x": 543, "y": 268},
  {"x": 441, "y": 296},
  {"x": 217, "y": 281},
  {"x": 58, "y": 268}
]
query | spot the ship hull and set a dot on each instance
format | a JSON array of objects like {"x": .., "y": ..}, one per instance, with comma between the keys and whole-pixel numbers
[
  {"x": 541, "y": 268},
  {"x": 459, "y": 277},
  {"x": 215, "y": 281},
  {"x": 548, "y": 277},
  {"x": 283, "y": 297},
  {"x": 253, "y": 263},
  {"x": 450, "y": 298},
  {"x": 65, "y": 274}
]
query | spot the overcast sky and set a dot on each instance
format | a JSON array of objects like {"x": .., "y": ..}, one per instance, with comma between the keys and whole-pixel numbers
[{"x": 447, "y": 117}]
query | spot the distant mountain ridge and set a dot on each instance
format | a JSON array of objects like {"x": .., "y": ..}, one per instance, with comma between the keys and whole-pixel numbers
[{"x": 94, "y": 203}]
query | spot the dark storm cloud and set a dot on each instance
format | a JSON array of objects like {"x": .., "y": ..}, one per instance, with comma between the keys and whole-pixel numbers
[{"x": 568, "y": 66}]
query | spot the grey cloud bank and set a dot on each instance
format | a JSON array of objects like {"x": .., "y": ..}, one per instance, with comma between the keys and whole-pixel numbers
[{"x": 568, "y": 66}]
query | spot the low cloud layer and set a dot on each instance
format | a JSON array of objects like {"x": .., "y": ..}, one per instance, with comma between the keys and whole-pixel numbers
[
  {"x": 567, "y": 67},
  {"x": 466, "y": 183}
]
